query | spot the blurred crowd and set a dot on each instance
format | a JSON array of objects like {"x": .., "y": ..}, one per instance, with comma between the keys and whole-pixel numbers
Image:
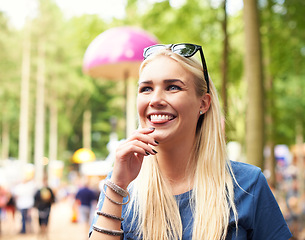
[
  {"x": 30, "y": 205},
  {"x": 290, "y": 195}
]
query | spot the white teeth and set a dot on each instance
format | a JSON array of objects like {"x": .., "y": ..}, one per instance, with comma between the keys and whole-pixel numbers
[{"x": 161, "y": 117}]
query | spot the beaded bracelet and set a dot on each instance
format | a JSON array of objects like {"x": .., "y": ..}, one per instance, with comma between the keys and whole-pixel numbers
[
  {"x": 109, "y": 216},
  {"x": 114, "y": 189},
  {"x": 107, "y": 231}
]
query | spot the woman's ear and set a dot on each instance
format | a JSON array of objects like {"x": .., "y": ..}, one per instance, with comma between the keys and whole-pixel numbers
[{"x": 205, "y": 103}]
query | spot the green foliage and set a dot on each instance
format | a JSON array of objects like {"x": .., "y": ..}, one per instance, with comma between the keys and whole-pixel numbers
[
  {"x": 283, "y": 26},
  {"x": 10, "y": 68},
  {"x": 108, "y": 102},
  {"x": 72, "y": 92},
  {"x": 290, "y": 105}
]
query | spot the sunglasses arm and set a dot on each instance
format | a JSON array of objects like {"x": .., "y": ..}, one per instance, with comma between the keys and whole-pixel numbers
[{"x": 205, "y": 70}]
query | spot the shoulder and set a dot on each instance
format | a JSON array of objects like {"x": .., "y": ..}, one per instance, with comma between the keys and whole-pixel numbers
[
  {"x": 258, "y": 211},
  {"x": 246, "y": 175},
  {"x": 250, "y": 183},
  {"x": 241, "y": 168}
]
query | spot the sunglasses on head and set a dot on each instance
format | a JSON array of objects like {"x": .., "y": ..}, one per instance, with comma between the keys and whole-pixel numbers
[{"x": 183, "y": 49}]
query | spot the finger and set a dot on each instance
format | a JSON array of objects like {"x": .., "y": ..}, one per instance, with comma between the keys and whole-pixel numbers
[
  {"x": 139, "y": 147},
  {"x": 143, "y": 135},
  {"x": 146, "y": 130},
  {"x": 130, "y": 149}
]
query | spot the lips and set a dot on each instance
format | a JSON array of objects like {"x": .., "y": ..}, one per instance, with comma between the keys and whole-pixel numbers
[{"x": 160, "y": 118}]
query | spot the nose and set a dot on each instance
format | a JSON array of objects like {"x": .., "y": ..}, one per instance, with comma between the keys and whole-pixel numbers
[{"x": 157, "y": 98}]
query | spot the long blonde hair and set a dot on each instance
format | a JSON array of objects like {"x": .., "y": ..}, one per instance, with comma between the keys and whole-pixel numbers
[{"x": 155, "y": 208}]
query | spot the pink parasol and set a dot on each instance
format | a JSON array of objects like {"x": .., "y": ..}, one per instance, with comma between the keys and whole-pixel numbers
[{"x": 117, "y": 53}]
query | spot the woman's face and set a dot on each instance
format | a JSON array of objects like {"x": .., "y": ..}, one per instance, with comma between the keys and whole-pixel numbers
[{"x": 167, "y": 100}]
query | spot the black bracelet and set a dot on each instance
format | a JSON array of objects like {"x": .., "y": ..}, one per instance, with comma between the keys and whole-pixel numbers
[
  {"x": 108, "y": 232},
  {"x": 109, "y": 216}
]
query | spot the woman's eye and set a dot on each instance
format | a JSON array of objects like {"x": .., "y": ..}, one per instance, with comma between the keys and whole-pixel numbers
[
  {"x": 173, "y": 88},
  {"x": 145, "y": 89}
]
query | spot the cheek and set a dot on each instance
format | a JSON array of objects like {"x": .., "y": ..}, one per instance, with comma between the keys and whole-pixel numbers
[
  {"x": 141, "y": 106},
  {"x": 187, "y": 103},
  {"x": 191, "y": 109}
]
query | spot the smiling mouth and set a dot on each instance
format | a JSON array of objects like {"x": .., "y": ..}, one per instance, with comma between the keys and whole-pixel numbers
[{"x": 161, "y": 118}]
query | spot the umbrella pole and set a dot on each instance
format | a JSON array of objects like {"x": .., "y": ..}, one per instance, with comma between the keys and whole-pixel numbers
[
  {"x": 130, "y": 104},
  {"x": 125, "y": 100}
]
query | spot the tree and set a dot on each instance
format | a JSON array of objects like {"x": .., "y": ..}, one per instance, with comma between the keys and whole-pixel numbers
[
  {"x": 23, "y": 150},
  {"x": 225, "y": 62},
  {"x": 283, "y": 22},
  {"x": 255, "y": 90},
  {"x": 270, "y": 94},
  {"x": 10, "y": 86}
]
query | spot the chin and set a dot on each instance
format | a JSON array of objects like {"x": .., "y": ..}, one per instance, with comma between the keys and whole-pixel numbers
[{"x": 162, "y": 136}]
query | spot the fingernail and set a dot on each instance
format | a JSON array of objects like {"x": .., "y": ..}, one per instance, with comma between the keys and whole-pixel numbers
[
  {"x": 147, "y": 153},
  {"x": 151, "y": 128},
  {"x": 156, "y": 142},
  {"x": 154, "y": 151}
]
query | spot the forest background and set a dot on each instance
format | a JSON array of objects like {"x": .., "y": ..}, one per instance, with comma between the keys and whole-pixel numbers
[{"x": 51, "y": 47}]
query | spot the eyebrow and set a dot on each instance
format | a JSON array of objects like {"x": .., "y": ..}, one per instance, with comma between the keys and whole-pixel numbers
[{"x": 167, "y": 81}]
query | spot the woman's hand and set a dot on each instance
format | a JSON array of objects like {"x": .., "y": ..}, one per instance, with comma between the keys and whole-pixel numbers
[{"x": 129, "y": 156}]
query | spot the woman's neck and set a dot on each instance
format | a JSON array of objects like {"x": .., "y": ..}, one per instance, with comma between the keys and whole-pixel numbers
[{"x": 174, "y": 162}]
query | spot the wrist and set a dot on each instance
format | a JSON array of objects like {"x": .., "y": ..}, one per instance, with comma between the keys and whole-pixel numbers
[
  {"x": 119, "y": 183},
  {"x": 118, "y": 192}
]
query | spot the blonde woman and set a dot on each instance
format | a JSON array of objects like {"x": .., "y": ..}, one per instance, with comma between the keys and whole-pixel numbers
[{"x": 172, "y": 178}]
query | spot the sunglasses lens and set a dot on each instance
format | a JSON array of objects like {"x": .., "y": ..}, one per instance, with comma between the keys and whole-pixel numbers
[
  {"x": 150, "y": 50},
  {"x": 186, "y": 50}
]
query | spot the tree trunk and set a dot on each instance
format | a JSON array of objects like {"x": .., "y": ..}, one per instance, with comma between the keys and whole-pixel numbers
[
  {"x": 269, "y": 118},
  {"x": 53, "y": 135},
  {"x": 23, "y": 147},
  {"x": 130, "y": 106},
  {"x": 254, "y": 78},
  {"x": 5, "y": 140},
  {"x": 300, "y": 161},
  {"x": 87, "y": 129},
  {"x": 225, "y": 63},
  {"x": 40, "y": 113}
]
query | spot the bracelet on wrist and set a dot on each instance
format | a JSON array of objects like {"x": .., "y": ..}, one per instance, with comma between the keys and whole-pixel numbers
[
  {"x": 122, "y": 192},
  {"x": 117, "y": 190},
  {"x": 100, "y": 213},
  {"x": 107, "y": 231}
]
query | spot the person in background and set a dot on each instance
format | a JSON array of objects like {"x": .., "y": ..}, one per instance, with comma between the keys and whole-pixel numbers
[
  {"x": 3, "y": 202},
  {"x": 3, "y": 197},
  {"x": 44, "y": 198},
  {"x": 85, "y": 200},
  {"x": 24, "y": 196},
  {"x": 172, "y": 178},
  {"x": 11, "y": 205},
  {"x": 10, "y": 210}
]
